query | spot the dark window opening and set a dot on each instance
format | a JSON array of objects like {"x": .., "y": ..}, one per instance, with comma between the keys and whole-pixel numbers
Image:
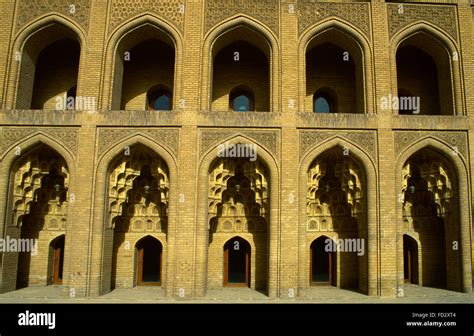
[
  {"x": 241, "y": 100},
  {"x": 159, "y": 100},
  {"x": 323, "y": 103}
]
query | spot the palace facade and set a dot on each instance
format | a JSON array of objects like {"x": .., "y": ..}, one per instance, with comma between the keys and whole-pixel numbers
[{"x": 274, "y": 145}]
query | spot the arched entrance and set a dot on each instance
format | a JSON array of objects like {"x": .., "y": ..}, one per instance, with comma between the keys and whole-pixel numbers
[
  {"x": 410, "y": 260},
  {"x": 336, "y": 207},
  {"x": 138, "y": 199},
  {"x": 149, "y": 252},
  {"x": 238, "y": 217},
  {"x": 430, "y": 212},
  {"x": 56, "y": 248},
  {"x": 323, "y": 263},
  {"x": 237, "y": 263},
  {"x": 40, "y": 182}
]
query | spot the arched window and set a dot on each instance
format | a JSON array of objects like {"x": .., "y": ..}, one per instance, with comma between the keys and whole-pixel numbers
[
  {"x": 159, "y": 99},
  {"x": 334, "y": 65},
  {"x": 241, "y": 100},
  {"x": 323, "y": 103},
  {"x": 424, "y": 70}
]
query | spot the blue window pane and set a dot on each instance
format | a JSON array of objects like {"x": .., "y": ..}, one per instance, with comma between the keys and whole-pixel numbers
[
  {"x": 241, "y": 103},
  {"x": 321, "y": 105},
  {"x": 162, "y": 103}
]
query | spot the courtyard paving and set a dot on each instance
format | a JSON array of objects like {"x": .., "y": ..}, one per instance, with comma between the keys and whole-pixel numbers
[{"x": 412, "y": 294}]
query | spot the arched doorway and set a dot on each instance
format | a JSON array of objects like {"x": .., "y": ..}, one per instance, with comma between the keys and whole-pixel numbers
[
  {"x": 149, "y": 252},
  {"x": 336, "y": 207},
  {"x": 56, "y": 248},
  {"x": 238, "y": 216},
  {"x": 138, "y": 198},
  {"x": 430, "y": 212},
  {"x": 410, "y": 260},
  {"x": 323, "y": 263},
  {"x": 237, "y": 263},
  {"x": 40, "y": 182}
]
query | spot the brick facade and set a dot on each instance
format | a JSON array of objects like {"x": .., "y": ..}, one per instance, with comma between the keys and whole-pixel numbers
[{"x": 365, "y": 172}]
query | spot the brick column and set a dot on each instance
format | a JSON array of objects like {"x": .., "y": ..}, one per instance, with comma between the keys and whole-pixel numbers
[
  {"x": 191, "y": 237},
  {"x": 84, "y": 233},
  {"x": 288, "y": 235},
  {"x": 383, "y": 267},
  {"x": 78, "y": 228},
  {"x": 466, "y": 33}
]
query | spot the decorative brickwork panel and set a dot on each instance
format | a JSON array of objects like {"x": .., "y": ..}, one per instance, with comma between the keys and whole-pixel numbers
[
  {"x": 457, "y": 140},
  {"x": 66, "y": 135},
  {"x": 168, "y": 137},
  {"x": 441, "y": 16},
  {"x": 171, "y": 10},
  {"x": 311, "y": 12},
  {"x": 266, "y": 11},
  {"x": 77, "y": 10},
  {"x": 365, "y": 140},
  {"x": 269, "y": 139}
]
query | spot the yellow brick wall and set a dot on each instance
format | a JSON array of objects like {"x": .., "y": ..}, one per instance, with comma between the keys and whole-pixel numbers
[{"x": 90, "y": 140}]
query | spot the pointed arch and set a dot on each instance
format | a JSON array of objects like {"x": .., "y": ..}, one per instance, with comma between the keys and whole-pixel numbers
[
  {"x": 98, "y": 268},
  {"x": 19, "y": 202},
  {"x": 371, "y": 286},
  {"x": 10, "y": 158},
  {"x": 446, "y": 42},
  {"x": 361, "y": 42},
  {"x": 463, "y": 184},
  {"x": 224, "y": 27},
  {"x": 412, "y": 263},
  {"x": 56, "y": 260},
  {"x": 266, "y": 155},
  {"x": 168, "y": 32},
  {"x": 48, "y": 21},
  {"x": 238, "y": 262},
  {"x": 151, "y": 262},
  {"x": 33, "y": 140},
  {"x": 323, "y": 263},
  {"x": 202, "y": 227}
]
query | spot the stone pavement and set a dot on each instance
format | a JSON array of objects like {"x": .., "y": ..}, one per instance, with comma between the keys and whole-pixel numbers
[{"x": 412, "y": 294}]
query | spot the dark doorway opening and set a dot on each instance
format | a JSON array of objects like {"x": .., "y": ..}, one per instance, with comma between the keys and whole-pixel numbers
[
  {"x": 57, "y": 247},
  {"x": 149, "y": 252},
  {"x": 323, "y": 263},
  {"x": 237, "y": 263},
  {"x": 410, "y": 260}
]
